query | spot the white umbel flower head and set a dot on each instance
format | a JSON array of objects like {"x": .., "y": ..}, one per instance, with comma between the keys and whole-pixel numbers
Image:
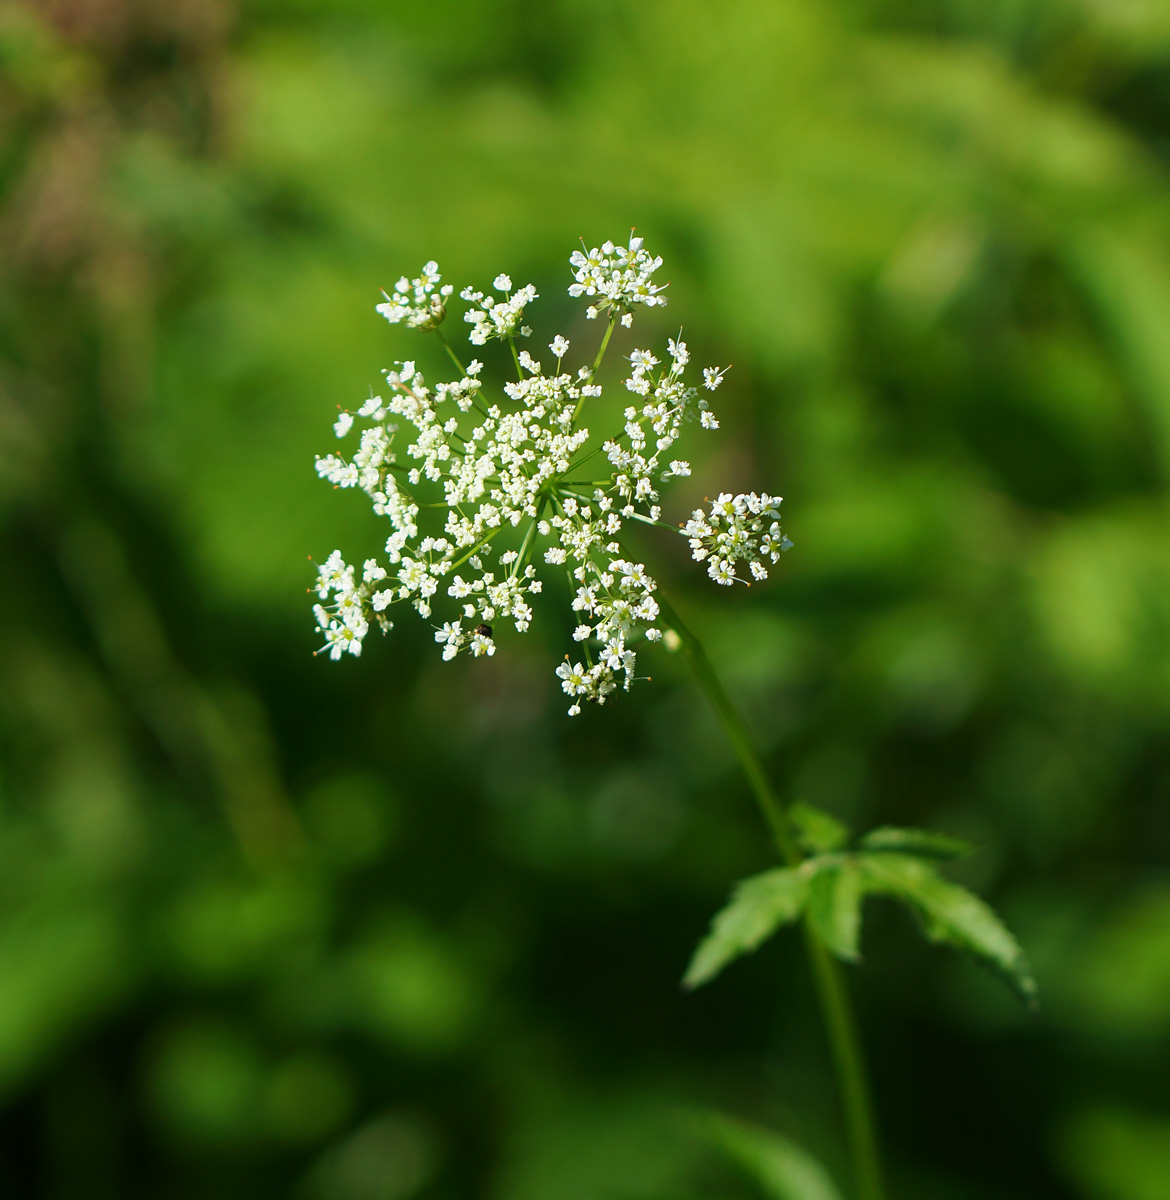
[
  {"x": 493, "y": 318},
  {"x": 482, "y": 490},
  {"x": 616, "y": 277},
  {"x": 744, "y": 528},
  {"x": 419, "y": 302}
]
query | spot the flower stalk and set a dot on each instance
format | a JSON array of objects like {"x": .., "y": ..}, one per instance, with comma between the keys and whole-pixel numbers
[{"x": 828, "y": 980}]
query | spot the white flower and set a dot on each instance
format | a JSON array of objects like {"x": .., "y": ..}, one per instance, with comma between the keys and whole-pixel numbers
[
  {"x": 737, "y": 528},
  {"x": 418, "y": 302},
  {"x": 451, "y": 638},
  {"x": 618, "y": 276},
  {"x": 713, "y": 377},
  {"x": 572, "y": 677},
  {"x": 497, "y": 318},
  {"x": 485, "y": 489}
]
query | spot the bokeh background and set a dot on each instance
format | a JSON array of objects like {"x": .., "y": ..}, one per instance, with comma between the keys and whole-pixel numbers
[{"x": 392, "y": 928}]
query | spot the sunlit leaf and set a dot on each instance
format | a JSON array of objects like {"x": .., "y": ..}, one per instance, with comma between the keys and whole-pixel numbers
[
  {"x": 758, "y": 907},
  {"x": 834, "y": 906},
  {"x": 889, "y": 839},
  {"x": 783, "y": 1169},
  {"x": 817, "y": 830},
  {"x": 950, "y": 913}
]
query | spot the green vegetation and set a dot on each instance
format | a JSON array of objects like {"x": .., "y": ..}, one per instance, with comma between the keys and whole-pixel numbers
[{"x": 396, "y": 928}]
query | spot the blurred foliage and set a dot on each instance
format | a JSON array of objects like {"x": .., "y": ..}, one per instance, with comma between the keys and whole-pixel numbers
[{"x": 270, "y": 926}]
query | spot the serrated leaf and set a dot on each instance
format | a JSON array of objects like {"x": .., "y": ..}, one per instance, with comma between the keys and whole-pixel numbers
[
  {"x": 950, "y": 913},
  {"x": 835, "y": 894},
  {"x": 758, "y": 907},
  {"x": 783, "y": 1169},
  {"x": 816, "y": 830},
  {"x": 891, "y": 840}
]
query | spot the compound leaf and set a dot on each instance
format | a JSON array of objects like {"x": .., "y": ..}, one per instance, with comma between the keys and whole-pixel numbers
[
  {"x": 816, "y": 830},
  {"x": 921, "y": 842},
  {"x": 834, "y": 906},
  {"x": 950, "y": 913},
  {"x": 758, "y": 907}
]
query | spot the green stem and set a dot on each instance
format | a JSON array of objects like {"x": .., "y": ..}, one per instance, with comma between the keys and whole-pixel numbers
[
  {"x": 597, "y": 361},
  {"x": 486, "y": 541},
  {"x": 604, "y": 343},
  {"x": 650, "y": 521},
  {"x": 845, "y": 1045},
  {"x": 515, "y": 358},
  {"x": 447, "y": 347},
  {"x": 737, "y": 734},
  {"x": 832, "y": 994},
  {"x": 529, "y": 537}
]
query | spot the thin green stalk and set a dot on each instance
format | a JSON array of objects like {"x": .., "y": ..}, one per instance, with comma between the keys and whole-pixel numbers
[
  {"x": 832, "y": 994},
  {"x": 845, "y": 1045},
  {"x": 656, "y": 524},
  {"x": 486, "y": 541},
  {"x": 515, "y": 358},
  {"x": 737, "y": 734},
  {"x": 597, "y": 361},
  {"x": 529, "y": 536},
  {"x": 447, "y": 347}
]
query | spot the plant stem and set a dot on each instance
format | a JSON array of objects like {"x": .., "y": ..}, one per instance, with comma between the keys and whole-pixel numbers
[
  {"x": 515, "y": 357},
  {"x": 739, "y": 737},
  {"x": 604, "y": 343},
  {"x": 453, "y": 355},
  {"x": 597, "y": 361},
  {"x": 832, "y": 993},
  {"x": 845, "y": 1045}
]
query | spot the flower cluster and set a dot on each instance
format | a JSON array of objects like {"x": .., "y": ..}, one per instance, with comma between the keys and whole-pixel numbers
[
  {"x": 343, "y": 622},
  {"x": 494, "y": 318},
  {"x": 619, "y": 276},
  {"x": 485, "y": 495},
  {"x": 419, "y": 302},
  {"x": 742, "y": 528},
  {"x": 653, "y": 426}
]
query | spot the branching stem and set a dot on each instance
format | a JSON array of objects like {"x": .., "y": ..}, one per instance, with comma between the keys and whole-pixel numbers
[{"x": 832, "y": 993}]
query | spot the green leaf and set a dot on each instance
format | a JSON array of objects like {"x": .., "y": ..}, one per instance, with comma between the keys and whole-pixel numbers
[
  {"x": 783, "y": 1169},
  {"x": 950, "y": 913},
  {"x": 816, "y": 830},
  {"x": 921, "y": 842},
  {"x": 757, "y": 908},
  {"x": 834, "y": 906}
]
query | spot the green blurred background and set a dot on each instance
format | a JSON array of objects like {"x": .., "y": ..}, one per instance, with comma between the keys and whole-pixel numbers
[{"x": 272, "y": 926}]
